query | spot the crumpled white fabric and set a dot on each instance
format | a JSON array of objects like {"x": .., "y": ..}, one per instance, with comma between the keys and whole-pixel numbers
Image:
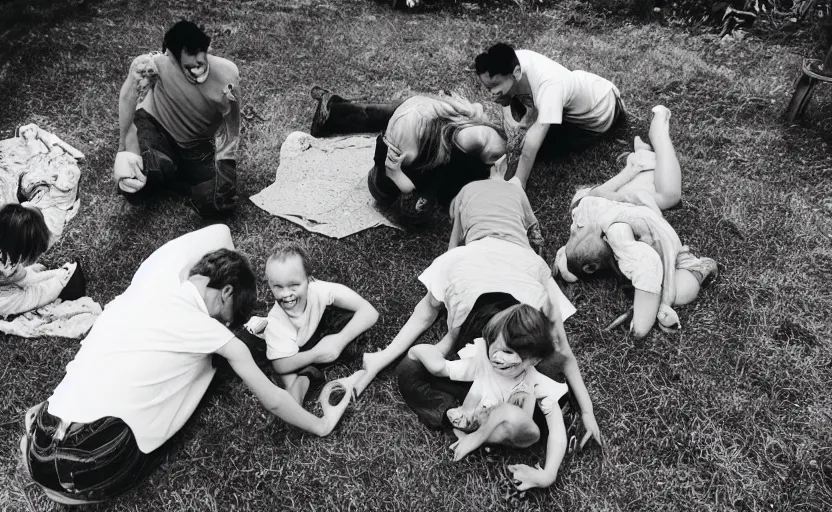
[
  {"x": 64, "y": 319},
  {"x": 43, "y": 169}
]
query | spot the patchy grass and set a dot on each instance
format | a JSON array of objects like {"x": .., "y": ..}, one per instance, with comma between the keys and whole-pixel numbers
[{"x": 733, "y": 413}]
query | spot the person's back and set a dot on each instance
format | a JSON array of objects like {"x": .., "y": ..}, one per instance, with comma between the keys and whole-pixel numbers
[
  {"x": 578, "y": 97},
  {"x": 492, "y": 208},
  {"x": 147, "y": 361}
]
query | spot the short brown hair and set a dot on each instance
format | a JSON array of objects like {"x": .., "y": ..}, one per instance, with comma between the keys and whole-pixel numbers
[{"x": 525, "y": 330}]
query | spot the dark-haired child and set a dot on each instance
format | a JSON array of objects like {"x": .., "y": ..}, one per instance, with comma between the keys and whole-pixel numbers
[
  {"x": 569, "y": 109},
  {"x": 300, "y": 304},
  {"x": 499, "y": 405},
  {"x": 24, "y": 284}
]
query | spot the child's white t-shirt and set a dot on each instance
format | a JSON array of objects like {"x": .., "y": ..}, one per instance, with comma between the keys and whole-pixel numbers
[
  {"x": 494, "y": 389},
  {"x": 286, "y": 335},
  {"x": 579, "y": 97}
]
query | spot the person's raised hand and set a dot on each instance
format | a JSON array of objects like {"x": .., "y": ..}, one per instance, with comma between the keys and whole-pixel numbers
[{"x": 525, "y": 477}]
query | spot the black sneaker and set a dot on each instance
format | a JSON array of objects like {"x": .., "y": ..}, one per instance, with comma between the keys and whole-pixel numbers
[{"x": 76, "y": 287}]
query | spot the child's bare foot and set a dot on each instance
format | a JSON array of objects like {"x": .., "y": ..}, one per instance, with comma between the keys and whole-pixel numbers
[
  {"x": 372, "y": 364},
  {"x": 466, "y": 444},
  {"x": 660, "y": 125}
]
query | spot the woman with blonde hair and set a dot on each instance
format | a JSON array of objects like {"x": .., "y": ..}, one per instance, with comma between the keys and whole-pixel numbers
[{"x": 429, "y": 148}]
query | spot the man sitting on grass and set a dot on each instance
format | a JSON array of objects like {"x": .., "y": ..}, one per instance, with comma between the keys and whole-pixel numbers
[
  {"x": 144, "y": 367},
  {"x": 171, "y": 108}
]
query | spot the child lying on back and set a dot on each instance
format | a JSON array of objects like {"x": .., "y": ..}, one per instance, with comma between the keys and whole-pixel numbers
[
  {"x": 301, "y": 302},
  {"x": 498, "y": 408}
]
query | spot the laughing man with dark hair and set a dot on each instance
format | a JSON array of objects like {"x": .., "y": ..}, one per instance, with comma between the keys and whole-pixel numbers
[{"x": 179, "y": 118}]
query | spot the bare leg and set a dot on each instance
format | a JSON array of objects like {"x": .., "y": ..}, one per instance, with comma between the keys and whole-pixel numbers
[
  {"x": 668, "y": 175},
  {"x": 687, "y": 287},
  {"x": 507, "y": 425}
]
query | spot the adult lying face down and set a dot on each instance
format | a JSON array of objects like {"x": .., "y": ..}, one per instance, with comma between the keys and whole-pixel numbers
[
  {"x": 429, "y": 148},
  {"x": 563, "y": 110},
  {"x": 179, "y": 120},
  {"x": 144, "y": 367}
]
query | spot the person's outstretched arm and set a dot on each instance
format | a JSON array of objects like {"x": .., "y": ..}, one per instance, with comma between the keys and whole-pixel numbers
[
  {"x": 555, "y": 450},
  {"x": 276, "y": 400},
  {"x": 531, "y": 145},
  {"x": 420, "y": 320},
  {"x": 631, "y": 255},
  {"x": 578, "y": 388}
]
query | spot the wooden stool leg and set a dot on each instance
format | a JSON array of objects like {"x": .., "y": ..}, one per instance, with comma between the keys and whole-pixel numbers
[{"x": 800, "y": 99}]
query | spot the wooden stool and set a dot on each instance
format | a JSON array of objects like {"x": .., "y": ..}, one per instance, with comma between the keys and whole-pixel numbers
[{"x": 814, "y": 71}]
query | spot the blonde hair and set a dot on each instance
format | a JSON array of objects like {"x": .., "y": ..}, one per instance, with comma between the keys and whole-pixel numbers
[{"x": 437, "y": 141}]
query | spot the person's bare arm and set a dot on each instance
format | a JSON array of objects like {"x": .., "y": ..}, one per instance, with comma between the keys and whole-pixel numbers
[
  {"x": 531, "y": 145},
  {"x": 277, "y": 401},
  {"x": 555, "y": 450},
  {"x": 431, "y": 358},
  {"x": 127, "y": 102}
]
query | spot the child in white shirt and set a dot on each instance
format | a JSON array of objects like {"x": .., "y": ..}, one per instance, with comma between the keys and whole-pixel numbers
[
  {"x": 505, "y": 388},
  {"x": 301, "y": 302}
]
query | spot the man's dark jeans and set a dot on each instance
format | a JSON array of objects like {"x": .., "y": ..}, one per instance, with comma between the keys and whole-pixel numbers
[{"x": 187, "y": 169}]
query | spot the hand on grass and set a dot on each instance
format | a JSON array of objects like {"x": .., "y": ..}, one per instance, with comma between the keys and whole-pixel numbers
[
  {"x": 525, "y": 477},
  {"x": 592, "y": 430}
]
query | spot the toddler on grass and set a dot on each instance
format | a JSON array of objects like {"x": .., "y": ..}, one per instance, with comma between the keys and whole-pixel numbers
[{"x": 300, "y": 303}]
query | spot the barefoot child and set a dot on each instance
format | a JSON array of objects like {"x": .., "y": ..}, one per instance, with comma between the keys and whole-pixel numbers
[
  {"x": 505, "y": 386},
  {"x": 300, "y": 304},
  {"x": 619, "y": 225},
  {"x": 24, "y": 285}
]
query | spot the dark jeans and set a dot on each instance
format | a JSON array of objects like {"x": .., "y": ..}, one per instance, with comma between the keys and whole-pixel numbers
[
  {"x": 91, "y": 461},
  {"x": 570, "y": 138},
  {"x": 186, "y": 169},
  {"x": 429, "y": 396}
]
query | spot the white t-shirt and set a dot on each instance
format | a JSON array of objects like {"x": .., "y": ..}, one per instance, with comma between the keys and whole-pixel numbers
[
  {"x": 458, "y": 277},
  {"x": 284, "y": 334},
  {"x": 491, "y": 389},
  {"x": 147, "y": 359},
  {"x": 579, "y": 97}
]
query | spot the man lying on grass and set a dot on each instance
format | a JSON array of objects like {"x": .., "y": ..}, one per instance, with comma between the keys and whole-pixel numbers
[{"x": 144, "y": 367}]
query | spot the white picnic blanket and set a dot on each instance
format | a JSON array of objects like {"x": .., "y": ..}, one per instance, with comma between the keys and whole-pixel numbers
[
  {"x": 66, "y": 319},
  {"x": 321, "y": 184}
]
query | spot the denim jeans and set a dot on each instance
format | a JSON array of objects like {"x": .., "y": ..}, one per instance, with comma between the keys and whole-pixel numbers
[
  {"x": 187, "y": 169},
  {"x": 85, "y": 461}
]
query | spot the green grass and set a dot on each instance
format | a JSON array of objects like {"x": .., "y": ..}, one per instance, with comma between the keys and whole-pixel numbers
[{"x": 734, "y": 413}]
